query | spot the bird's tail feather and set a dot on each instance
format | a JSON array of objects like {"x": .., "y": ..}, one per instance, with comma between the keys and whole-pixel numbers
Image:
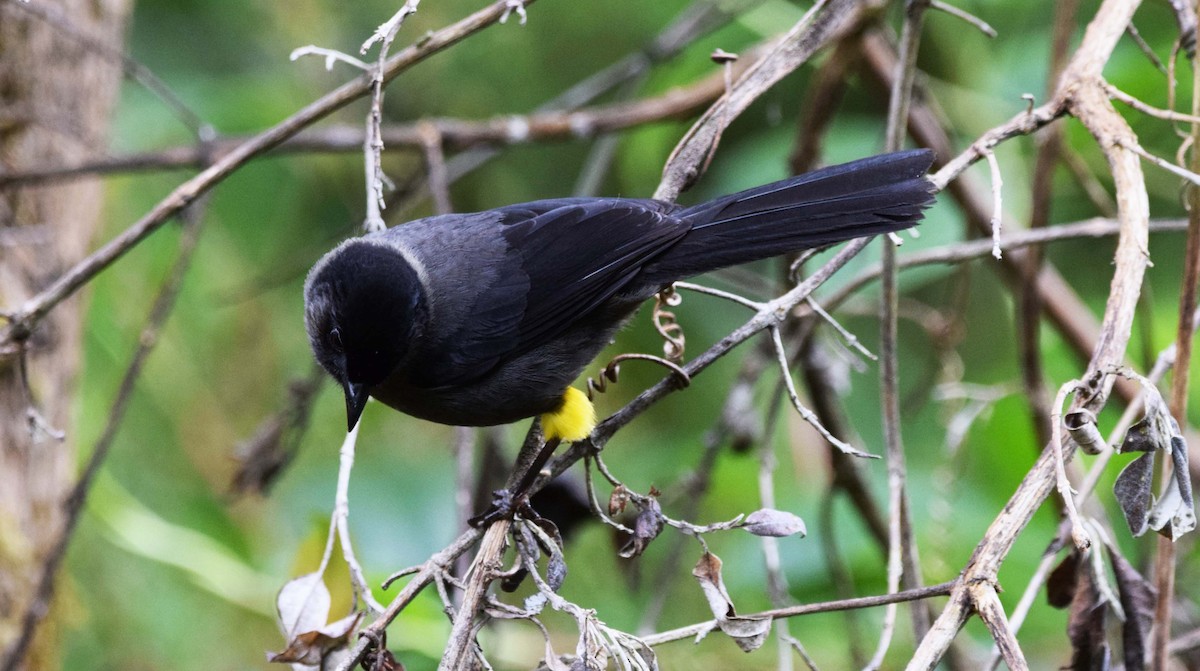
[{"x": 870, "y": 196}]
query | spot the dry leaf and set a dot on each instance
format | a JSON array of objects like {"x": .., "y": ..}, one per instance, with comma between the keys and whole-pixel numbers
[
  {"x": 1132, "y": 491},
  {"x": 774, "y": 523},
  {"x": 311, "y": 647},
  {"x": 646, "y": 527},
  {"x": 1174, "y": 513},
  {"x": 1085, "y": 626},
  {"x": 618, "y": 500},
  {"x": 1060, "y": 585},
  {"x": 1138, "y": 599},
  {"x": 708, "y": 572},
  {"x": 302, "y": 605},
  {"x": 748, "y": 632}
]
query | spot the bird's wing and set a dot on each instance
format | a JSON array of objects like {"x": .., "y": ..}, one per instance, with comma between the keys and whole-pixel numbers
[{"x": 563, "y": 259}]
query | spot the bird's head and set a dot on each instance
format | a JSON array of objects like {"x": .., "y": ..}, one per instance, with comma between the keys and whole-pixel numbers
[{"x": 362, "y": 305}]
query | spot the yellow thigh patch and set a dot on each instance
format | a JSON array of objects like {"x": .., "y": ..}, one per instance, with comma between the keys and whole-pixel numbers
[{"x": 573, "y": 421}]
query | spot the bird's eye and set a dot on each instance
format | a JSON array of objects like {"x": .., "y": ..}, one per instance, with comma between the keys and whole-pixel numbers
[{"x": 335, "y": 340}]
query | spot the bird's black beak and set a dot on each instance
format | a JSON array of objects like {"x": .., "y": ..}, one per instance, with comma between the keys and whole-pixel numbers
[{"x": 356, "y": 400}]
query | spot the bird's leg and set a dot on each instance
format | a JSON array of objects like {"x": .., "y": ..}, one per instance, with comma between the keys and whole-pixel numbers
[{"x": 510, "y": 500}]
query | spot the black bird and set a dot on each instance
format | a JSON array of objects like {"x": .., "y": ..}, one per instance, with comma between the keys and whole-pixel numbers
[{"x": 487, "y": 318}]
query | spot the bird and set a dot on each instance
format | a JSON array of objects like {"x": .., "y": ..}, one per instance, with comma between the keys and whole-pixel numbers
[{"x": 488, "y": 318}]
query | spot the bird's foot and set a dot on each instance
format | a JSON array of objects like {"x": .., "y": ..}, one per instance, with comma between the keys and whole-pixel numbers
[{"x": 505, "y": 504}]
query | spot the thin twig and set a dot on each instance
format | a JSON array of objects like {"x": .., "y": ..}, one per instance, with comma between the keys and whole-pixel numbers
[
  {"x": 331, "y": 56},
  {"x": 26, "y": 316},
  {"x": 1136, "y": 148},
  {"x": 1080, "y": 91},
  {"x": 1169, "y": 115},
  {"x": 970, "y": 250},
  {"x": 825, "y": 22},
  {"x": 903, "y": 568},
  {"x": 1164, "y": 563},
  {"x": 341, "y": 517},
  {"x": 427, "y": 573},
  {"x": 997, "y": 205},
  {"x": 1079, "y": 535},
  {"x": 777, "y": 585},
  {"x": 1135, "y": 35},
  {"x": 959, "y": 13},
  {"x": 807, "y": 609},
  {"x": 849, "y": 338},
  {"x": 806, "y": 414}
]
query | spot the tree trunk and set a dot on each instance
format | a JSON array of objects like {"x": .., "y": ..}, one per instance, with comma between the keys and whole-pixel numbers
[{"x": 59, "y": 79}]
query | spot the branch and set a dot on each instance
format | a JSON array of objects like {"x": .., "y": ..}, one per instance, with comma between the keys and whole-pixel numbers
[
  {"x": 561, "y": 122},
  {"x": 824, "y": 23},
  {"x": 807, "y": 609},
  {"x": 970, "y": 250},
  {"x": 1066, "y": 311},
  {"x": 1164, "y": 564},
  {"x": 1081, "y": 90},
  {"x": 425, "y": 574},
  {"x": 902, "y": 564},
  {"x": 26, "y": 317}
]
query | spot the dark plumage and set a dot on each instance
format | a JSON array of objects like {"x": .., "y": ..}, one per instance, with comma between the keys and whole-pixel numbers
[{"x": 487, "y": 318}]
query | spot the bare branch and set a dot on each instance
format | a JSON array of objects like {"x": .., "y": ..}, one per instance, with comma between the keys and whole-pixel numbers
[
  {"x": 807, "y": 609},
  {"x": 824, "y": 23},
  {"x": 26, "y": 316},
  {"x": 960, "y": 13},
  {"x": 1080, "y": 90},
  {"x": 992, "y": 613}
]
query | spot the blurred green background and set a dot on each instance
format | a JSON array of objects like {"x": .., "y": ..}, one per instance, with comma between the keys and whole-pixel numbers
[{"x": 170, "y": 570}]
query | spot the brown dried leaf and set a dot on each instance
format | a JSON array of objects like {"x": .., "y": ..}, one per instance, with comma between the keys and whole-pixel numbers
[
  {"x": 774, "y": 523},
  {"x": 618, "y": 500},
  {"x": 1171, "y": 516},
  {"x": 1174, "y": 514},
  {"x": 708, "y": 572},
  {"x": 748, "y": 632},
  {"x": 381, "y": 660},
  {"x": 1138, "y": 600},
  {"x": 1081, "y": 426},
  {"x": 1085, "y": 626},
  {"x": 311, "y": 647},
  {"x": 1060, "y": 585},
  {"x": 646, "y": 527}
]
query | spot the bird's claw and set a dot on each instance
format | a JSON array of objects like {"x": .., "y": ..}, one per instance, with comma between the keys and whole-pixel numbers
[{"x": 505, "y": 505}]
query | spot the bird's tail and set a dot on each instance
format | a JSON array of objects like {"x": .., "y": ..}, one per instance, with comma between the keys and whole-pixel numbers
[{"x": 870, "y": 196}]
